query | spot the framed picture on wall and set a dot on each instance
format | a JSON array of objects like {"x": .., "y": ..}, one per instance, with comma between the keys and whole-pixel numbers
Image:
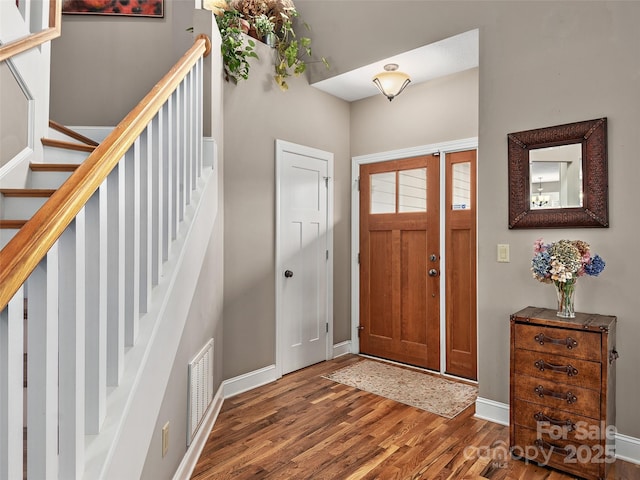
[{"x": 133, "y": 8}]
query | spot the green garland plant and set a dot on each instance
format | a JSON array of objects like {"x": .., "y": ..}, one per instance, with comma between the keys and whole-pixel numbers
[
  {"x": 291, "y": 51},
  {"x": 236, "y": 49},
  {"x": 265, "y": 18}
]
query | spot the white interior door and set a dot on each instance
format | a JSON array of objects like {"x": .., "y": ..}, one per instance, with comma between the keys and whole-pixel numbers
[{"x": 303, "y": 252}]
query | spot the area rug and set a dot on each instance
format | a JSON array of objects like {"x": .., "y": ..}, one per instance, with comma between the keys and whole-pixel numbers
[{"x": 411, "y": 387}]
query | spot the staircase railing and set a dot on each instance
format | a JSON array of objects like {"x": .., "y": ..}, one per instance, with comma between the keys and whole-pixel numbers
[
  {"x": 36, "y": 38},
  {"x": 76, "y": 278}
]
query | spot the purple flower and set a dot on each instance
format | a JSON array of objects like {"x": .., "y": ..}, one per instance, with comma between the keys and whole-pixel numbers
[{"x": 595, "y": 266}]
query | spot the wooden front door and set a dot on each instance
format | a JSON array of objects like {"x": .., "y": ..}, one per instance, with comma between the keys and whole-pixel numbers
[
  {"x": 460, "y": 247},
  {"x": 400, "y": 260}
]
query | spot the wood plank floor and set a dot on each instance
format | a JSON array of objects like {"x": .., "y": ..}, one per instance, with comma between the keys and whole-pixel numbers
[{"x": 307, "y": 427}]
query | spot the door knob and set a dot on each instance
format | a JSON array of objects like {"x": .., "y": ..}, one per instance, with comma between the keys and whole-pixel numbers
[
  {"x": 288, "y": 273},
  {"x": 433, "y": 272}
]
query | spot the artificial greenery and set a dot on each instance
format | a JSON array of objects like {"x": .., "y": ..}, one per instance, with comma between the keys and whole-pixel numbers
[
  {"x": 264, "y": 25},
  {"x": 291, "y": 51},
  {"x": 268, "y": 18},
  {"x": 235, "y": 48}
]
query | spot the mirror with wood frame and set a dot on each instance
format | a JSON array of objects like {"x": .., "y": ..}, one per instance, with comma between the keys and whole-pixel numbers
[{"x": 558, "y": 176}]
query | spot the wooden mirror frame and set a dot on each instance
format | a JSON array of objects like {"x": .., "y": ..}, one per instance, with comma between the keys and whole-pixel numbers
[{"x": 592, "y": 134}]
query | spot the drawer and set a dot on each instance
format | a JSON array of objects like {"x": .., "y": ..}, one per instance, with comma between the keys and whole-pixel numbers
[
  {"x": 557, "y": 423},
  {"x": 572, "y": 371},
  {"x": 559, "y": 341},
  {"x": 558, "y": 396},
  {"x": 582, "y": 459}
]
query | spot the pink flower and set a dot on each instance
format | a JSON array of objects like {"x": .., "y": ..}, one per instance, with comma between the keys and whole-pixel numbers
[{"x": 539, "y": 246}]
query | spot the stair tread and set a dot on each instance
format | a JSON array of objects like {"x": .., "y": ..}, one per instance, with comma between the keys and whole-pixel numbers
[
  {"x": 81, "y": 147},
  {"x": 27, "y": 192},
  {"x": 53, "y": 167},
  {"x": 72, "y": 133}
]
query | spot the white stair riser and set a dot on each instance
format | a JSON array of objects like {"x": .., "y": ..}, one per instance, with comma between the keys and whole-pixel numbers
[
  {"x": 63, "y": 155},
  {"x": 21, "y": 208},
  {"x": 50, "y": 180}
]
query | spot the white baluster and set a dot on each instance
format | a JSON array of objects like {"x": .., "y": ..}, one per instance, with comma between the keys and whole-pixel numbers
[
  {"x": 71, "y": 252},
  {"x": 42, "y": 369},
  {"x": 200, "y": 116},
  {"x": 96, "y": 311},
  {"x": 181, "y": 151},
  {"x": 11, "y": 387},
  {"x": 188, "y": 137},
  {"x": 116, "y": 261},
  {"x": 172, "y": 128},
  {"x": 146, "y": 232},
  {"x": 157, "y": 204},
  {"x": 132, "y": 245}
]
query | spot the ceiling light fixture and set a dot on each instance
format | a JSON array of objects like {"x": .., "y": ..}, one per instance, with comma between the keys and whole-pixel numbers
[
  {"x": 540, "y": 200},
  {"x": 391, "y": 82}
]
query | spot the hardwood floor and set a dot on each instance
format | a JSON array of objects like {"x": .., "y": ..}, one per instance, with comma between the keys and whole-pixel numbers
[{"x": 307, "y": 427}]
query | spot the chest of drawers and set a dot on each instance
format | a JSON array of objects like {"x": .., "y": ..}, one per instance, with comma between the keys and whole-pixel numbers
[{"x": 562, "y": 398}]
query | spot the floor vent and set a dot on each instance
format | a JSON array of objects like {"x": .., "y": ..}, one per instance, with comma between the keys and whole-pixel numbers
[{"x": 200, "y": 388}]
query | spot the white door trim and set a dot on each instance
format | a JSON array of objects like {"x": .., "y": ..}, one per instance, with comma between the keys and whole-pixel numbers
[
  {"x": 442, "y": 148},
  {"x": 281, "y": 147}
]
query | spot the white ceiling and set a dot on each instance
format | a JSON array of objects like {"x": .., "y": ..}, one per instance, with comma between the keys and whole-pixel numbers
[{"x": 451, "y": 55}]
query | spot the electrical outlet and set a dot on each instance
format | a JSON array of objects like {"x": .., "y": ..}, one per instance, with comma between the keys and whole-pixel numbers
[
  {"x": 165, "y": 439},
  {"x": 503, "y": 253}
]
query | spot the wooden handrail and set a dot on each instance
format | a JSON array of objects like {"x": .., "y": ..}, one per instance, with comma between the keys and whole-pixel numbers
[
  {"x": 30, "y": 245},
  {"x": 10, "y": 49}
]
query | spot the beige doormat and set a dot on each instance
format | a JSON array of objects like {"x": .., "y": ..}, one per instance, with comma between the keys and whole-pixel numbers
[{"x": 411, "y": 387}]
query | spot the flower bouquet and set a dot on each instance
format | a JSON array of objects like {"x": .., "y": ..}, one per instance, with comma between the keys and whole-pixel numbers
[{"x": 561, "y": 263}]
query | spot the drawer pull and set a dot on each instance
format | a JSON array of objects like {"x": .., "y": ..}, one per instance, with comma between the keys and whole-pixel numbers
[
  {"x": 541, "y": 417},
  {"x": 569, "y": 342},
  {"x": 569, "y": 397},
  {"x": 568, "y": 369},
  {"x": 554, "y": 448}
]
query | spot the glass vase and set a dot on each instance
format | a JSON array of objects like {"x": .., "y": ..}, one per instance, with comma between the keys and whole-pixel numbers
[{"x": 565, "y": 292}]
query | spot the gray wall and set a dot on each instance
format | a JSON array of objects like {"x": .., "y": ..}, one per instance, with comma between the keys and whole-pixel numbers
[
  {"x": 102, "y": 66},
  {"x": 205, "y": 316},
  {"x": 541, "y": 64},
  {"x": 14, "y": 116},
  {"x": 256, "y": 114},
  {"x": 440, "y": 110}
]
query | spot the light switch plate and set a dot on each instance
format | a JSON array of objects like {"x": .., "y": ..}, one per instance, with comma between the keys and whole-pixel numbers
[{"x": 503, "y": 253}]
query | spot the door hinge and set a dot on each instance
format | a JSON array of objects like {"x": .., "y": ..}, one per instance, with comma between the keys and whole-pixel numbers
[
  {"x": 360, "y": 328},
  {"x": 358, "y": 182},
  {"x": 358, "y": 258},
  {"x": 327, "y": 251},
  {"x": 327, "y": 327},
  {"x": 326, "y": 182}
]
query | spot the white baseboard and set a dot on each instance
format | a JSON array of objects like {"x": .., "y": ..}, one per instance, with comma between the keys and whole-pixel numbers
[
  {"x": 343, "y": 348},
  {"x": 492, "y": 411},
  {"x": 627, "y": 448},
  {"x": 190, "y": 459},
  {"x": 257, "y": 378},
  {"x": 249, "y": 381}
]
